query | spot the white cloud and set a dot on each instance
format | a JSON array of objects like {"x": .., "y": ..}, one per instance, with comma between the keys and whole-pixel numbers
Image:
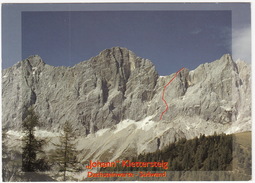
[
  {"x": 196, "y": 31},
  {"x": 241, "y": 44}
]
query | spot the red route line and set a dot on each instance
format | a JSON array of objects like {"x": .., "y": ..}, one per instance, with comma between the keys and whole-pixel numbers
[{"x": 163, "y": 94}]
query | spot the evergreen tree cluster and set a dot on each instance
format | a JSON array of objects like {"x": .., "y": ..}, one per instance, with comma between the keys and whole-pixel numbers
[
  {"x": 66, "y": 153},
  {"x": 31, "y": 146},
  {"x": 33, "y": 158},
  {"x": 213, "y": 155},
  {"x": 204, "y": 153}
]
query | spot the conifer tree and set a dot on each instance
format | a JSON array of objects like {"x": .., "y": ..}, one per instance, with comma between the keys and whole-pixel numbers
[
  {"x": 31, "y": 146},
  {"x": 65, "y": 153}
]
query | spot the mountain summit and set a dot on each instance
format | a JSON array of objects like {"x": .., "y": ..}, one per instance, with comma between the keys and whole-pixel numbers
[{"x": 118, "y": 90}]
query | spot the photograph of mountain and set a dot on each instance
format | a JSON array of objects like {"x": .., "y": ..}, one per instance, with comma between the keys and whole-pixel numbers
[{"x": 126, "y": 92}]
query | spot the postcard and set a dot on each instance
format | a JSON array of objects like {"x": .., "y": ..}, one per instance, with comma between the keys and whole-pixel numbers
[{"x": 126, "y": 92}]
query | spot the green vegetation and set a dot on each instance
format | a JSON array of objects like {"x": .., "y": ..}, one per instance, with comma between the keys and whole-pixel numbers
[
  {"x": 212, "y": 158},
  {"x": 66, "y": 153},
  {"x": 211, "y": 153},
  {"x": 31, "y": 145}
]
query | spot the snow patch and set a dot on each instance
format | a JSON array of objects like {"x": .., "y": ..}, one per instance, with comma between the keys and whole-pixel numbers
[
  {"x": 226, "y": 108},
  {"x": 123, "y": 124},
  {"x": 101, "y": 132},
  {"x": 187, "y": 127},
  {"x": 44, "y": 133},
  {"x": 144, "y": 124},
  {"x": 38, "y": 133},
  {"x": 15, "y": 133},
  {"x": 233, "y": 129},
  {"x": 34, "y": 69}
]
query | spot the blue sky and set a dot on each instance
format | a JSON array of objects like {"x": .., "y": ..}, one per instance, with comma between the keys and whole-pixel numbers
[{"x": 174, "y": 37}]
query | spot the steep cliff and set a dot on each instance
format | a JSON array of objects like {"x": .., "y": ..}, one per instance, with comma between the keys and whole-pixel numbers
[{"x": 115, "y": 99}]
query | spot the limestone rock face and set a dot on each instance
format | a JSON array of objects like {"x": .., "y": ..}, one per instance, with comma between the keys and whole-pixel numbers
[
  {"x": 94, "y": 94},
  {"x": 118, "y": 97}
]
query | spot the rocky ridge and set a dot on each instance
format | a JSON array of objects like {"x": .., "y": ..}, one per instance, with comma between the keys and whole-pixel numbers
[{"x": 114, "y": 100}]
